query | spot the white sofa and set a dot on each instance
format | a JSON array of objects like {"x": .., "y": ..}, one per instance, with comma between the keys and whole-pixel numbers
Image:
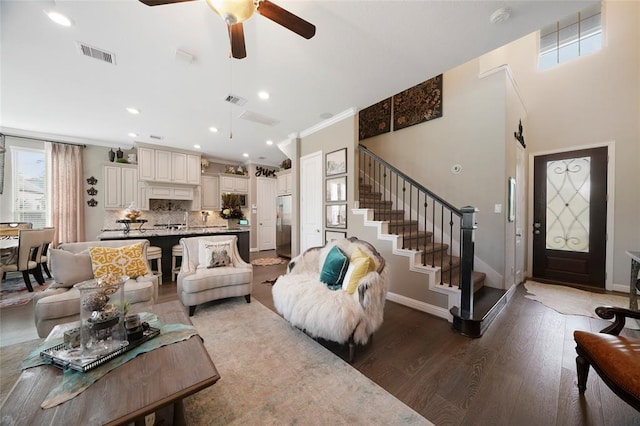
[
  {"x": 336, "y": 315},
  {"x": 60, "y": 302}
]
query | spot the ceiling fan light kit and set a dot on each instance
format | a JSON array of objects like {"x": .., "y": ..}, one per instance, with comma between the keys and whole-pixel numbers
[{"x": 235, "y": 12}]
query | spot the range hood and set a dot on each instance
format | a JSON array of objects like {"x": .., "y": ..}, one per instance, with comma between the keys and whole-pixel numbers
[{"x": 169, "y": 192}]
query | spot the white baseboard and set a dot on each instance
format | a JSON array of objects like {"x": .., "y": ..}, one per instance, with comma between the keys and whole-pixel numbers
[
  {"x": 622, "y": 288},
  {"x": 420, "y": 306},
  {"x": 253, "y": 249}
]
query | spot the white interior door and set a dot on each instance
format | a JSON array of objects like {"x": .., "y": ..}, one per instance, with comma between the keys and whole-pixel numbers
[
  {"x": 266, "y": 213},
  {"x": 311, "y": 201}
]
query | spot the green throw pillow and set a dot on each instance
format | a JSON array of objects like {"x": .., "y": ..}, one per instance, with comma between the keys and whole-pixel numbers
[{"x": 334, "y": 268}]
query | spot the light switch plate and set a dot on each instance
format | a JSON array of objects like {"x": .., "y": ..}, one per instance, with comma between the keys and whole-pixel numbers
[{"x": 497, "y": 208}]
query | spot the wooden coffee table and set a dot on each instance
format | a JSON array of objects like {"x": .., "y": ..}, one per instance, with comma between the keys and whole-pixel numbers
[{"x": 154, "y": 382}]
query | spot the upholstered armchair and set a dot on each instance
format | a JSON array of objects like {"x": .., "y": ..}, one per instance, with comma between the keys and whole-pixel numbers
[
  {"x": 615, "y": 358},
  {"x": 346, "y": 312},
  {"x": 212, "y": 269}
]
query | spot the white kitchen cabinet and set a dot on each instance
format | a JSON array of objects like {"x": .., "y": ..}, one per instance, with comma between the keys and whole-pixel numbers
[
  {"x": 170, "y": 193},
  {"x": 193, "y": 169},
  {"x": 285, "y": 183},
  {"x": 159, "y": 165},
  {"x": 234, "y": 184},
  {"x": 163, "y": 167},
  {"x": 210, "y": 188},
  {"x": 120, "y": 186},
  {"x": 178, "y": 167},
  {"x": 196, "y": 203},
  {"x": 146, "y": 163}
]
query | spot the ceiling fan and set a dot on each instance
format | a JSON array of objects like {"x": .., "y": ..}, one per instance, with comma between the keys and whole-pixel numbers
[{"x": 235, "y": 12}]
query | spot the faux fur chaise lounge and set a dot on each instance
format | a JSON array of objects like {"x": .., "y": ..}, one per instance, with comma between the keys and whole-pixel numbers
[{"x": 342, "y": 315}]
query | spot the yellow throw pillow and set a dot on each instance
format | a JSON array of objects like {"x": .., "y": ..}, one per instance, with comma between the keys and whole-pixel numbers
[
  {"x": 125, "y": 260},
  {"x": 359, "y": 265}
]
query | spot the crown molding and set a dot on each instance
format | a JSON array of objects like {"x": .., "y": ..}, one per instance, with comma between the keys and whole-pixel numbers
[{"x": 329, "y": 122}]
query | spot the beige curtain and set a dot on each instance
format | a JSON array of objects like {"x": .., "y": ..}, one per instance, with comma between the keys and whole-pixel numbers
[{"x": 67, "y": 193}]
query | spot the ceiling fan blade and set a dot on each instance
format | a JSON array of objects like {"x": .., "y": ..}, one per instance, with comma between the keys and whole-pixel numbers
[
  {"x": 286, "y": 19},
  {"x": 236, "y": 36},
  {"x": 161, "y": 2}
]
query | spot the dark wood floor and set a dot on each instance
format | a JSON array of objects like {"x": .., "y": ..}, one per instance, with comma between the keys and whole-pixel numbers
[{"x": 520, "y": 372}]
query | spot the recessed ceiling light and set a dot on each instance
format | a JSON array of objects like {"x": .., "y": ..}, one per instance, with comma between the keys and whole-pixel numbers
[
  {"x": 196, "y": 146},
  {"x": 133, "y": 135},
  {"x": 326, "y": 115},
  {"x": 134, "y": 111},
  {"x": 213, "y": 129},
  {"x": 263, "y": 95},
  {"x": 269, "y": 142},
  {"x": 245, "y": 155},
  {"x": 58, "y": 18}
]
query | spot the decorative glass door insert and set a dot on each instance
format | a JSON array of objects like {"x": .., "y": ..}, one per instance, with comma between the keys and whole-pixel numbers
[{"x": 568, "y": 202}]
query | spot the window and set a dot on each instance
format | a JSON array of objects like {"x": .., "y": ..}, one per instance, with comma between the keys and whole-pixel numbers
[
  {"x": 574, "y": 36},
  {"x": 29, "y": 186}
]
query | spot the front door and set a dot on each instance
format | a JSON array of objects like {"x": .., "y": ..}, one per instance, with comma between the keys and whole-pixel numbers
[{"x": 570, "y": 217}]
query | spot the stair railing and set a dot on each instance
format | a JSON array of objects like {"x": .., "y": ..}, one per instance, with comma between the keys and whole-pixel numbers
[{"x": 425, "y": 230}]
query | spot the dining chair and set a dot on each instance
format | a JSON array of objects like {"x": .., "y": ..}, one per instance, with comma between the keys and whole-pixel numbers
[
  {"x": 47, "y": 239},
  {"x": 26, "y": 261}
]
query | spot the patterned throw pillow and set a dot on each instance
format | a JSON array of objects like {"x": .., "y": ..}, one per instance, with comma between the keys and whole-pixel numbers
[
  {"x": 214, "y": 254},
  {"x": 126, "y": 260}
]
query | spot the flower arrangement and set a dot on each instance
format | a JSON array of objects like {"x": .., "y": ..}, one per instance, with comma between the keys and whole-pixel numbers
[{"x": 231, "y": 207}]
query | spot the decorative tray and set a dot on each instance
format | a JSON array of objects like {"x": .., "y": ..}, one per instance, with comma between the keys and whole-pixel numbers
[{"x": 63, "y": 356}]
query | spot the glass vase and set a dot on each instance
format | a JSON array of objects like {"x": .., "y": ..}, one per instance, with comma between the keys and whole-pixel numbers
[{"x": 102, "y": 312}]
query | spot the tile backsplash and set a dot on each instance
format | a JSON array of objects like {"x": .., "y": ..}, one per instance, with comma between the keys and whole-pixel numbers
[{"x": 164, "y": 212}]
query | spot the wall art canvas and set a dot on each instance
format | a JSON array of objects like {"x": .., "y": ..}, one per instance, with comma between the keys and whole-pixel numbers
[
  {"x": 336, "y": 189},
  {"x": 418, "y": 104},
  {"x": 336, "y": 162},
  {"x": 334, "y": 235},
  {"x": 375, "y": 120},
  {"x": 336, "y": 216}
]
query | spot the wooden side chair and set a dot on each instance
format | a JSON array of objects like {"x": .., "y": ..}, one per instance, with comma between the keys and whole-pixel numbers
[
  {"x": 47, "y": 240},
  {"x": 615, "y": 358}
]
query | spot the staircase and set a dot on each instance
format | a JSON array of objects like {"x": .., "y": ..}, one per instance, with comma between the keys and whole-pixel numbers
[
  {"x": 433, "y": 232},
  {"x": 434, "y": 254}
]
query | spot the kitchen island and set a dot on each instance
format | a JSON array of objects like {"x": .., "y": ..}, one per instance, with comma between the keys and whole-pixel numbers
[{"x": 167, "y": 238}]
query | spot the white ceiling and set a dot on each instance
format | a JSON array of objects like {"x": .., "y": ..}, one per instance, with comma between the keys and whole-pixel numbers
[{"x": 363, "y": 52}]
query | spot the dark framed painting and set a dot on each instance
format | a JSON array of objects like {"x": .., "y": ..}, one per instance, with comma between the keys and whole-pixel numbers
[
  {"x": 336, "y": 189},
  {"x": 334, "y": 235},
  {"x": 336, "y": 216},
  {"x": 336, "y": 162},
  {"x": 418, "y": 104},
  {"x": 375, "y": 120}
]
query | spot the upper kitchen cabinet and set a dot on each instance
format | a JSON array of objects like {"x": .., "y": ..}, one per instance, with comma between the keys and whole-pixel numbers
[
  {"x": 120, "y": 186},
  {"x": 159, "y": 165},
  {"x": 285, "y": 182},
  {"x": 210, "y": 189},
  {"x": 146, "y": 163},
  {"x": 234, "y": 184}
]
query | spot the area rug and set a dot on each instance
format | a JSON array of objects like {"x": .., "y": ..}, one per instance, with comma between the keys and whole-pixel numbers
[
  {"x": 269, "y": 261},
  {"x": 571, "y": 301},
  {"x": 271, "y": 373},
  {"x": 13, "y": 291}
]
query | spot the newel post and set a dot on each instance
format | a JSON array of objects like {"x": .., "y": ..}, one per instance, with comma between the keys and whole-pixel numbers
[{"x": 467, "y": 227}]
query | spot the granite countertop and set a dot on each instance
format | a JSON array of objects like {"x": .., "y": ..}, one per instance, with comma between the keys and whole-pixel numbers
[{"x": 154, "y": 232}]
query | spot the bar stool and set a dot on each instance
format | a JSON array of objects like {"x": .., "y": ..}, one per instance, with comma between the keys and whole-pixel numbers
[
  {"x": 155, "y": 253},
  {"x": 176, "y": 251}
]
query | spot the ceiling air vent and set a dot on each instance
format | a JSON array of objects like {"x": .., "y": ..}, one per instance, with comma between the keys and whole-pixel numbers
[
  {"x": 258, "y": 118},
  {"x": 236, "y": 100},
  {"x": 96, "y": 53},
  {"x": 156, "y": 137}
]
